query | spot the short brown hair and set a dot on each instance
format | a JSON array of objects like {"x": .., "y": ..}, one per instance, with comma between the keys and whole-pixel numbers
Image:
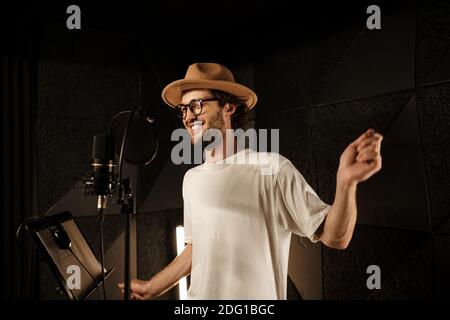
[{"x": 242, "y": 117}]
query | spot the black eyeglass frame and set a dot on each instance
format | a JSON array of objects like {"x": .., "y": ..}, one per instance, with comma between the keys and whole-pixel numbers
[{"x": 181, "y": 109}]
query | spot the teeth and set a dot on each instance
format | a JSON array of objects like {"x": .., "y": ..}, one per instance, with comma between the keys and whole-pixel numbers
[{"x": 196, "y": 126}]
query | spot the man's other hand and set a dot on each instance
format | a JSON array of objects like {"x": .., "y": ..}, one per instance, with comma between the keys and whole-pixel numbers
[
  {"x": 140, "y": 290},
  {"x": 361, "y": 159}
]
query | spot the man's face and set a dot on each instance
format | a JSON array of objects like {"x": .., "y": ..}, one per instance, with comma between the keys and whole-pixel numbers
[{"x": 210, "y": 117}]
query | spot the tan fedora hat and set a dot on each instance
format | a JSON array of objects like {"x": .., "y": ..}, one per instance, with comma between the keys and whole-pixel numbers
[{"x": 207, "y": 76}]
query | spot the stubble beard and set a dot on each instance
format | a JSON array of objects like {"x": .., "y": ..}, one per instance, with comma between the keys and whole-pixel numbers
[{"x": 215, "y": 123}]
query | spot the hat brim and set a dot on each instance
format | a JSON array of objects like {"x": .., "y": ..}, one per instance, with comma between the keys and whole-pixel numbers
[{"x": 173, "y": 92}]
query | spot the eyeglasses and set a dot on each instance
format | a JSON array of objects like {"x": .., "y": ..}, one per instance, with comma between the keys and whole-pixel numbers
[{"x": 196, "y": 107}]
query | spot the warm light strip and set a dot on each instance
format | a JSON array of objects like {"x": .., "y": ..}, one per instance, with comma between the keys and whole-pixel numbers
[{"x": 182, "y": 285}]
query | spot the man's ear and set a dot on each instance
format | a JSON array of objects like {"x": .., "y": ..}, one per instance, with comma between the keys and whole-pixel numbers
[{"x": 229, "y": 109}]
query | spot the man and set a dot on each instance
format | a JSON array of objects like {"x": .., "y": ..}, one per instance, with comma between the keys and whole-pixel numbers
[{"x": 238, "y": 222}]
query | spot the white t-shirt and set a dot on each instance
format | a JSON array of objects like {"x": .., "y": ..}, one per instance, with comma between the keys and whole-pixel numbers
[{"x": 239, "y": 220}]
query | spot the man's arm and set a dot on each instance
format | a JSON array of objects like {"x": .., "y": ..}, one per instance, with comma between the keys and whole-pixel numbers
[
  {"x": 360, "y": 160},
  {"x": 164, "y": 280}
]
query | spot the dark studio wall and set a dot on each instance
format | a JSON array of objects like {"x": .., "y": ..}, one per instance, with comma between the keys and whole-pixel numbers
[
  {"x": 395, "y": 80},
  {"x": 322, "y": 78},
  {"x": 84, "y": 80}
]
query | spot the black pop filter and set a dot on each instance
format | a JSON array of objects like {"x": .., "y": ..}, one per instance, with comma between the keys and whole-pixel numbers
[{"x": 142, "y": 140}]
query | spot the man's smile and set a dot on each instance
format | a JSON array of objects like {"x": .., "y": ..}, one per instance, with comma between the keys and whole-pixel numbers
[{"x": 196, "y": 126}]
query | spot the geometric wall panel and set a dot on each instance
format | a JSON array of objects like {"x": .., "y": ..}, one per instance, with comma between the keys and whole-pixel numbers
[
  {"x": 156, "y": 243},
  {"x": 433, "y": 44},
  {"x": 335, "y": 126},
  {"x": 295, "y": 140},
  {"x": 305, "y": 268},
  {"x": 170, "y": 178},
  {"x": 397, "y": 196},
  {"x": 345, "y": 272},
  {"x": 64, "y": 153},
  {"x": 434, "y": 118},
  {"x": 287, "y": 79},
  {"x": 112, "y": 228},
  {"x": 380, "y": 61},
  {"x": 78, "y": 91},
  {"x": 411, "y": 279},
  {"x": 441, "y": 72}
]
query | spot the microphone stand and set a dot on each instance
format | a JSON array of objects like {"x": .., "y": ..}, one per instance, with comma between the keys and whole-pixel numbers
[
  {"x": 126, "y": 198},
  {"x": 128, "y": 208},
  {"x": 101, "y": 206}
]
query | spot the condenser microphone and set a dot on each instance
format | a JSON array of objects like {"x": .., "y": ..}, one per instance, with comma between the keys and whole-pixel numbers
[{"x": 102, "y": 178}]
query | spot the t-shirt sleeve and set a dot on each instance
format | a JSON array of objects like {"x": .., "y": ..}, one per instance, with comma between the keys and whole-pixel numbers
[
  {"x": 186, "y": 215},
  {"x": 300, "y": 210}
]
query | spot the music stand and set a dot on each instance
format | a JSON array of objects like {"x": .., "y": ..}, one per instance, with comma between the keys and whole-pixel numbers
[{"x": 63, "y": 262}]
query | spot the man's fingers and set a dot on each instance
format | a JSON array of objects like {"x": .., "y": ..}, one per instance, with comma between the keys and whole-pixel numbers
[
  {"x": 368, "y": 152},
  {"x": 137, "y": 286},
  {"x": 368, "y": 157},
  {"x": 375, "y": 164},
  {"x": 137, "y": 289},
  {"x": 369, "y": 148},
  {"x": 135, "y": 296},
  {"x": 372, "y": 147},
  {"x": 134, "y": 284},
  {"x": 365, "y": 135},
  {"x": 376, "y": 139}
]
